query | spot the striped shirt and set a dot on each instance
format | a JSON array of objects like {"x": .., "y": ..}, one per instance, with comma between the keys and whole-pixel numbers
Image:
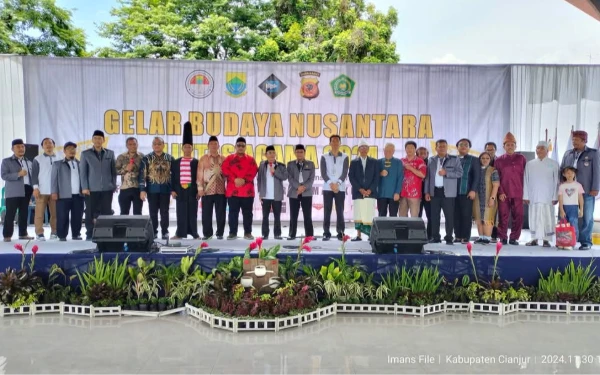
[{"x": 185, "y": 176}]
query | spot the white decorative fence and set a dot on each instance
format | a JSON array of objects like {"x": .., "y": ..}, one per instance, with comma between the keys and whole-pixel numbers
[{"x": 587, "y": 312}]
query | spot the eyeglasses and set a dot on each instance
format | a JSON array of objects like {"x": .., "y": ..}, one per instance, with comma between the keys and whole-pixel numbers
[
  {"x": 463, "y": 144},
  {"x": 240, "y": 145}
]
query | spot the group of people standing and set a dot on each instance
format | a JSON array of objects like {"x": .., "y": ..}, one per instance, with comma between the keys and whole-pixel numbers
[{"x": 486, "y": 189}]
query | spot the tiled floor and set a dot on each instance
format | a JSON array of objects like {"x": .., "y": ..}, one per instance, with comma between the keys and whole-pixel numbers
[{"x": 344, "y": 344}]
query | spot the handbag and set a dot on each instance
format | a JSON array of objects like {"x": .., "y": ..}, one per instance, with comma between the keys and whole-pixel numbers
[{"x": 565, "y": 234}]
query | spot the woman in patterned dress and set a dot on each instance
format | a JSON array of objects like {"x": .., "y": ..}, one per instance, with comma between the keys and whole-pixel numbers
[{"x": 485, "y": 204}]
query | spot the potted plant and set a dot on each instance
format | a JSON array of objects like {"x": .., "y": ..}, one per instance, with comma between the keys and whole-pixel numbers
[
  {"x": 132, "y": 304},
  {"x": 162, "y": 303},
  {"x": 153, "y": 304},
  {"x": 143, "y": 304}
]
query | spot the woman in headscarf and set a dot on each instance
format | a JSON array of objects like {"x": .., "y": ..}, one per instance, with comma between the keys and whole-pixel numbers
[{"x": 485, "y": 204}]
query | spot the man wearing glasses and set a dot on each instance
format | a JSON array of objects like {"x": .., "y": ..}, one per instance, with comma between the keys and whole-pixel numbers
[{"x": 240, "y": 170}]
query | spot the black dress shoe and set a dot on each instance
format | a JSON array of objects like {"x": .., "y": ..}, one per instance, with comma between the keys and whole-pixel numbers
[
  {"x": 219, "y": 237},
  {"x": 291, "y": 238},
  {"x": 355, "y": 239},
  {"x": 449, "y": 242},
  {"x": 326, "y": 238},
  {"x": 504, "y": 242},
  {"x": 513, "y": 242},
  {"x": 585, "y": 247},
  {"x": 435, "y": 241},
  {"x": 278, "y": 237},
  {"x": 340, "y": 236},
  {"x": 457, "y": 240}
]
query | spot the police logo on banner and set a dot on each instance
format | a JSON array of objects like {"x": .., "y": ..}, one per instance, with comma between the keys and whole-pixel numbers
[
  {"x": 235, "y": 82},
  {"x": 199, "y": 84},
  {"x": 272, "y": 86},
  {"x": 342, "y": 86},
  {"x": 309, "y": 85}
]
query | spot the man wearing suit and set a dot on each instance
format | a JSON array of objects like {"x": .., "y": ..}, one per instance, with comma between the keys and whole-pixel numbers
[
  {"x": 441, "y": 185},
  {"x": 270, "y": 177},
  {"x": 468, "y": 185},
  {"x": 98, "y": 175},
  {"x": 301, "y": 176},
  {"x": 364, "y": 178},
  {"x": 184, "y": 188},
  {"x": 66, "y": 192},
  {"x": 16, "y": 173}
]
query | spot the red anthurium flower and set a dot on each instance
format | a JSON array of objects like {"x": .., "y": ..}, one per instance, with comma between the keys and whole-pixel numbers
[
  {"x": 259, "y": 242},
  {"x": 469, "y": 247},
  {"x": 34, "y": 249},
  {"x": 305, "y": 247},
  {"x": 307, "y": 240},
  {"x": 345, "y": 238},
  {"x": 498, "y": 247},
  {"x": 204, "y": 245},
  {"x": 253, "y": 246},
  {"x": 19, "y": 247}
]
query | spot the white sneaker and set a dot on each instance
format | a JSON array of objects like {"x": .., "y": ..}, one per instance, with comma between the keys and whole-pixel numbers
[
  {"x": 53, "y": 237},
  {"x": 40, "y": 238}
]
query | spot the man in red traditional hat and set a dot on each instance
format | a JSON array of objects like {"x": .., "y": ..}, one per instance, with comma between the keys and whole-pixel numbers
[
  {"x": 511, "y": 168},
  {"x": 586, "y": 161}
]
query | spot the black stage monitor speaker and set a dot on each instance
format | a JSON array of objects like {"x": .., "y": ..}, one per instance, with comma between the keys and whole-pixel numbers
[
  {"x": 31, "y": 151},
  {"x": 112, "y": 232},
  {"x": 406, "y": 235}
]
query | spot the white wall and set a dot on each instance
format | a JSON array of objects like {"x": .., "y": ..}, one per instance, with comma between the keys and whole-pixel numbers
[{"x": 12, "y": 102}]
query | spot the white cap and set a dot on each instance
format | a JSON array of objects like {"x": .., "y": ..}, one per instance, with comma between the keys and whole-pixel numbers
[
  {"x": 363, "y": 143},
  {"x": 543, "y": 144}
]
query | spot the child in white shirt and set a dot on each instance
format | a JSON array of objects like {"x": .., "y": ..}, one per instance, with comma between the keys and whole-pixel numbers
[{"x": 570, "y": 200}]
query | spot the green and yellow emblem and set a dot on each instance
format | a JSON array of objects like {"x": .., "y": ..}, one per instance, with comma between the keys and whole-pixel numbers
[{"x": 342, "y": 86}]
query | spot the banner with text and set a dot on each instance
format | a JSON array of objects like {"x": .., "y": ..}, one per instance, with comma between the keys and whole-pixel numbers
[{"x": 268, "y": 104}]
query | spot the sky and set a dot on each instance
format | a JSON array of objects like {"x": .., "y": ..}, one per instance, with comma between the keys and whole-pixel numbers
[{"x": 454, "y": 31}]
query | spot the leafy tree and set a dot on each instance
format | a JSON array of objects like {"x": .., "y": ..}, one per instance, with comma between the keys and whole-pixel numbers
[
  {"x": 258, "y": 30},
  {"x": 39, "y": 27}
]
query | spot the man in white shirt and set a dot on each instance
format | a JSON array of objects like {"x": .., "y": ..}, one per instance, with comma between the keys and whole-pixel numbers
[
  {"x": 40, "y": 174},
  {"x": 270, "y": 177},
  {"x": 540, "y": 191},
  {"x": 334, "y": 170}
]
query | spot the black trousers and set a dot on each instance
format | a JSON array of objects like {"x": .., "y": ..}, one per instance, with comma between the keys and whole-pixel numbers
[
  {"x": 427, "y": 207},
  {"x": 13, "y": 205},
  {"x": 328, "y": 198},
  {"x": 463, "y": 217},
  {"x": 128, "y": 197},
  {"x": 267, "y": 204},
  {"x": 72, "y": 207},
  {"x": 187, "y": 214},
  {"x": 159, "y": 202},
  {"x": 219, "y": 202},
  {"x": 439, "y": 202},
  {"x": 306, "y": 204},
  {"x": 387, "y": 206},
  {"x": 245, "y": 204},
  {"x": 96, "y": 204}
]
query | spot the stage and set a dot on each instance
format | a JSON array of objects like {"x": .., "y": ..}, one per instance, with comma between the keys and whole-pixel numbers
[{"x": 515, "y": 262}]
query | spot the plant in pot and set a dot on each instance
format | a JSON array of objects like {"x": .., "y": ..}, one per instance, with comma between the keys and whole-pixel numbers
[
  {"x": 162, "y": 303},
  {"x": 143, "y": 304},
  {"x": 153, "y": 304},
  {"x": 132, "y": 304}
]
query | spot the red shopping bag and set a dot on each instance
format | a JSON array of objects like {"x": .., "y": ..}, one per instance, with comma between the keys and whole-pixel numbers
[{"x": 565, "y": 234}]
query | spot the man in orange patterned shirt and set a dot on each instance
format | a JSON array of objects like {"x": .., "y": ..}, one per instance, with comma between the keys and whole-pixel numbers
[
  {"x": 240, "y": 170},
  {"x": 211, "y": 187}
]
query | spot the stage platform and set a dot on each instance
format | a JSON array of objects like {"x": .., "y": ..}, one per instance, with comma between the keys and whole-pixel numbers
[{"x": 515, "y": 262}]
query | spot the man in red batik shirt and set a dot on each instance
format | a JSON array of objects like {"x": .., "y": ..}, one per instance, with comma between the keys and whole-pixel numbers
[
  {"x": 511, "y": 168},
  {"x": 240, "y": 170}
]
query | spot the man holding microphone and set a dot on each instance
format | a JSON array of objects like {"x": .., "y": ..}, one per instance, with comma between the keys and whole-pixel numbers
[{"x": 128, "y": 167}]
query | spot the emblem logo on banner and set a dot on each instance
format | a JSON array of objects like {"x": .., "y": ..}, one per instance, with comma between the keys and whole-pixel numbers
[
  {"x": 235, "y": 82},
  {"x": 309, "y": 85},
  {"x": 342, "y": 86},
  {"x": 272, "y": 86},
  {"x": 199, "y": 84}
]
